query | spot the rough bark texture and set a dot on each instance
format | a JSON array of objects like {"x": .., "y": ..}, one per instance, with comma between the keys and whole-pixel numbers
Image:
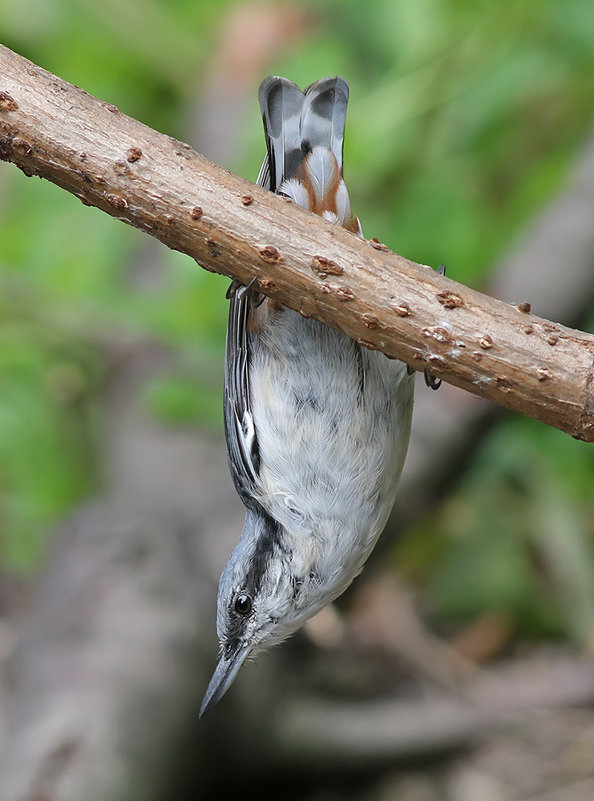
[{"x": 53, "y": 129}]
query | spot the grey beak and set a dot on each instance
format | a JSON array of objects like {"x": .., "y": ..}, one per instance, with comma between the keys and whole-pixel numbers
[{"x": 222, "y": 678}]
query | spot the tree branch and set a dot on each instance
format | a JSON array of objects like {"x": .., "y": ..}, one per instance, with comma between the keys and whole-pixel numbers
[{"x": 53, "y": 129}]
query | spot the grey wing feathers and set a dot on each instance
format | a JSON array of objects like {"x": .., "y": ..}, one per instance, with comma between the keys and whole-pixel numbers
[
  {"x": 242, "y": 444},
  {"x": 263, "y": 178}
]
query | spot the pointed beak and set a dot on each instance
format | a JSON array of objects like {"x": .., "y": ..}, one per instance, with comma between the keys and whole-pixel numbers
[{"x": 223, "y": 678}]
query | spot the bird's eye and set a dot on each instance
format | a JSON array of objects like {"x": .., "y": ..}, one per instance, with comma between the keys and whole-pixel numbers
[{"x": 243, "y": 604}]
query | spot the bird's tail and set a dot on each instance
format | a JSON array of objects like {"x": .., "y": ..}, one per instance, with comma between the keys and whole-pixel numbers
[{"x": 304, "y": 138}]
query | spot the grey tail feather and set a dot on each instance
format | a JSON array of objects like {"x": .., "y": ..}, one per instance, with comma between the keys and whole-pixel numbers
[
  {"x": 324, "y": 115},
  {"x": 281, "y": 102},
  {"x": 295, "y": 122}
]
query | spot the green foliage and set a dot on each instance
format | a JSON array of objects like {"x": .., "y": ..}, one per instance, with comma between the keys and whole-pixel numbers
[
  {"x": 182, "y": 400},
  {"x": 464, "y": 118},
  {"x": 47, "y": 456},
  {"x": 515, "y": 537}
]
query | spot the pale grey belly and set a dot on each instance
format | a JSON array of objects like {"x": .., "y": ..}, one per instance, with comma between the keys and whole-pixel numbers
[{"x": 332, "y": 421}]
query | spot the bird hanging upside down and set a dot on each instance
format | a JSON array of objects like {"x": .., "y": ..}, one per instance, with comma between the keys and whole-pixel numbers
[{"x": 317, "y": 426}]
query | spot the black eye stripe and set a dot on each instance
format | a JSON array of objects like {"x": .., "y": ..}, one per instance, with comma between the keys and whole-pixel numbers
[{"x": 264, "y": 549}]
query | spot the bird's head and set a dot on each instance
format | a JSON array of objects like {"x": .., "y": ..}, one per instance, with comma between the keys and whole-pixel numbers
[{"x": 263, "y": 597}]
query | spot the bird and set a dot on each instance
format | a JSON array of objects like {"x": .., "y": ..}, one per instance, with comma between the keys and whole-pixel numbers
[{"x": 317, "y": 426}]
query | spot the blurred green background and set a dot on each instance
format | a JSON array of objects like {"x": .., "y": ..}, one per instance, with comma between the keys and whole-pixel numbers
[{"x": 464, "y": 120}]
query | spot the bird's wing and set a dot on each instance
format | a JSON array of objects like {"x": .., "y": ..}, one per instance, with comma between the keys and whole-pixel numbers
[{"x": 242, "y": 444}]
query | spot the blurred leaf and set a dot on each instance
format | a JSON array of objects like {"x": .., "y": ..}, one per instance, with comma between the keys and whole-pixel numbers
[{"x": 180, "y": 401}]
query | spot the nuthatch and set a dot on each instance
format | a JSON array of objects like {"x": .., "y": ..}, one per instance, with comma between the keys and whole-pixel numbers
[{"x": 317, "y": 426}]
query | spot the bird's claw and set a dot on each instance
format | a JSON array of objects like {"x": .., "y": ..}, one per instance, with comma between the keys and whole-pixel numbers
[
  {"x": 431, "y": 381},
  {"x": 235, "y": 287}
]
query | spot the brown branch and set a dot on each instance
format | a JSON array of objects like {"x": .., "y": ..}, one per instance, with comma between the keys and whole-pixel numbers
[{"x": 55, "y": 130}]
